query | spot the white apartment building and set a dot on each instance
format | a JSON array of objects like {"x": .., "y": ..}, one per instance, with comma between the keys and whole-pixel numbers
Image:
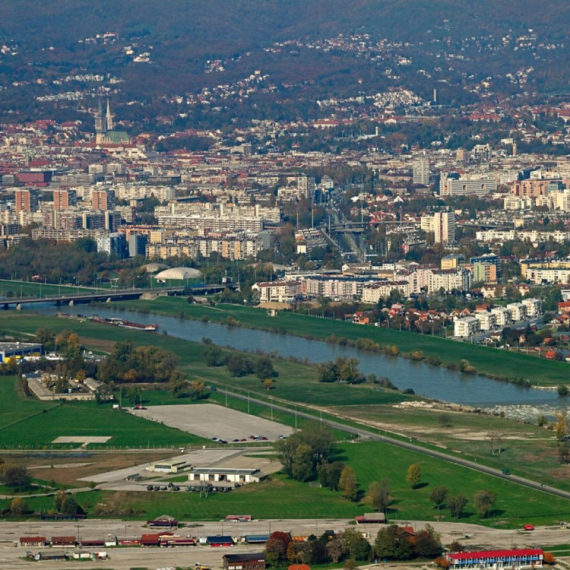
[
  {"x": 420, "y": 171},
  {"x": 278, "y": 291},
  {"x": 376, "y": 291},
  {"x": 533, "y": 307},
  {"x": 503, "y": 316},
  {"x": 487, "y": 321},
  {"x": 518, "y": 311},
  {"x": 466, "y": 327},
  {"x": 442, "y": 224},
  {"x": 541, "y": 275}
]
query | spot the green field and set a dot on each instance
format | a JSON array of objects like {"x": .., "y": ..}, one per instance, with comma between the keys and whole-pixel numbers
[
  {"x": 9, "y": 288},
  {"x": 486, "y": 360},
  {"x": 28, "y": 423},
  {"x": 280, "y": 497}
]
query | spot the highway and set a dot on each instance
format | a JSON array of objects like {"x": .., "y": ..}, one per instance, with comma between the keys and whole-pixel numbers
[{"x": 370, "y": 435}]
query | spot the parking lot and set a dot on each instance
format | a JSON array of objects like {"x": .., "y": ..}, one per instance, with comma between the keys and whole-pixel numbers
[{"x": 212, "y": 421}]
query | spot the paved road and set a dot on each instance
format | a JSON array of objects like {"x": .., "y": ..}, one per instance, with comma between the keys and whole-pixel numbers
[{"x": 366, "y": 434}]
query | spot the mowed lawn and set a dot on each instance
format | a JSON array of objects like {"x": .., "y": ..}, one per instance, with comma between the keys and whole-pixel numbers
[
  {"x": 296, "y": 382},
  {"x": 39, "y": 423},
  {"x": 515, "y": 506},
  {"x": 485, "y": 360}
]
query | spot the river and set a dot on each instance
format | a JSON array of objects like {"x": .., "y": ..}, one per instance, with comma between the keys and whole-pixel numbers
[{"x": 426, "y": 380}]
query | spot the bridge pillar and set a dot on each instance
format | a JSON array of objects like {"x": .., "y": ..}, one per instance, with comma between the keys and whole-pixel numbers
[
  {"x": 18, "y": 307},
  {"x": 71, "y": 303}
]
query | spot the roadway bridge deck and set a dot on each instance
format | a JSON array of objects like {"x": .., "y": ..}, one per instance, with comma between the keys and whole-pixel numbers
[{"x": 108, "y": 295}]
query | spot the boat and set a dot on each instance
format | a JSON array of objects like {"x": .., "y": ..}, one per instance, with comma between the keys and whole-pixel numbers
[{"x": 125, "y": 324}]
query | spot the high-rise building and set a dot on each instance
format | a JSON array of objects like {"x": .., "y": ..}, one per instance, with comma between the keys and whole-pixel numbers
[
  {"x": 103, "y": 199},
  {"x": 444, "y": 227},
  {"x": 26, "y": 200},
  {"x": 421, "y": 171},
  {"x": 62, "y": 199},
  {"x": 113, "y": 244},
  {"x": 137, "y": 244}
]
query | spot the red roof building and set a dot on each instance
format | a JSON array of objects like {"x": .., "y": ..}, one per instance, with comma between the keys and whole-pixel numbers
[{"x": 496, "y": 558}]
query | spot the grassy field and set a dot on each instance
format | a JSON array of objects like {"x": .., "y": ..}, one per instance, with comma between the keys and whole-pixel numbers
[
  {"x": 34, "y": 289},
  {"x": 486, "y": 360},
  {"x": 28, "y": 423},
  {"x": 280, "y": 497},
  {"x": 296, "y": 382}
]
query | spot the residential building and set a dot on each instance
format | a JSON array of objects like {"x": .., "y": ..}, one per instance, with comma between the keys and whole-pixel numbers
[
  {"x": 503, "y": 316},
  {"x": 487, "y": 321},
  {"x": 26, "y": 200},
  {"x": 373, "y": 292},
  {"x": 466, "y": 327},
  {"x": 278, "y": 291},
  {"x": 113, "y": 244},
  {"x": 484, "y": 273},
  {"x": 420, "y": 173},
  {"x": 137, "y": 244},
  {"x": 102, "y": 199},
  {"x": 451, "y": 261},
  {"x": 533, "y": 307},
  {"x": 518, "y": 311},
  {"x": 63, "y": 199},
  {"x": 444, "y": 227}
]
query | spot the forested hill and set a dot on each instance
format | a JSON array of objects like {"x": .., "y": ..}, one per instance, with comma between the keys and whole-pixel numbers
[
  {"x": 447, "y": 41},
  {"x": 247, "y": 22}
]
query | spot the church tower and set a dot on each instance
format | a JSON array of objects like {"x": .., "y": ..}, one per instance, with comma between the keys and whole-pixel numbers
[{"x": 109, "y": 117}]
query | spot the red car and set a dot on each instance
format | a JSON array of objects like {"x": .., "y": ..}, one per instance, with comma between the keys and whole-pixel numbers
[{"x": 528, "y": 527}]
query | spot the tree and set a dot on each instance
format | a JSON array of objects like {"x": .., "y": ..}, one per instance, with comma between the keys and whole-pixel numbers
[
  {"x": 495, "y": 438},
  {"x": 58, "y": 499},
  {"x": 444, "y": 420},
  {"x": 317, "y": 437},
  {"x": 14, "y": 476},
  {"x": 561, "y": 426},
  {"x": 438, "y": 496},
  {"x": 563, "y": 452},
  {"x": 18, "y": 506},
  {"x": 457, "y": 505},
  {"x": 379, "y": 495},
  {"x": 329, "y": 474},
  {"x": 484, "y": 501},
  {"x": 197, "y": 388},
  {"x": 268, "y": 384},
  {"x": 347, "y": 484},
  {"x": 335, "y": 549},
  {"x": 392, "y": 544},
  {"x": 214, "y": 356},
  {"x": 302, "y": 467},
  {"x": 427, "y": 543},
  {"x": 70, "y": 506},
  {"x": 276, "y": 548},
  {"x": 264, "y": 368},
  {"x": 355, "y": 545},
  {"x": 414, "y": 475},
  {"x": 239, "y": 365}
]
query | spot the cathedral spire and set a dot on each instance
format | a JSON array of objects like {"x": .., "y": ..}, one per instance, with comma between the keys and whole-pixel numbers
[{"x": 109, "y": 117}]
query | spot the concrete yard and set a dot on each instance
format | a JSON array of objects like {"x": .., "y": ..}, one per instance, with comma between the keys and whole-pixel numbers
[{"x": 211, "y": 420}]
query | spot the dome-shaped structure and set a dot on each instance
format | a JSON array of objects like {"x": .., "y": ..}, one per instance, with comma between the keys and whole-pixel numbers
[{"x": 179, "y": 273}]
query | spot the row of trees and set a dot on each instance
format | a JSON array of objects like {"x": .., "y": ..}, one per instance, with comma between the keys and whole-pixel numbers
[
  {"x": 342, "y": 369},
  {"x": 391, "y": 543}
]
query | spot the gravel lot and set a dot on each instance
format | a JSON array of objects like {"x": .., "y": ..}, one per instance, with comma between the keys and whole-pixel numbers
[{"x": 211, "y": 420}]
